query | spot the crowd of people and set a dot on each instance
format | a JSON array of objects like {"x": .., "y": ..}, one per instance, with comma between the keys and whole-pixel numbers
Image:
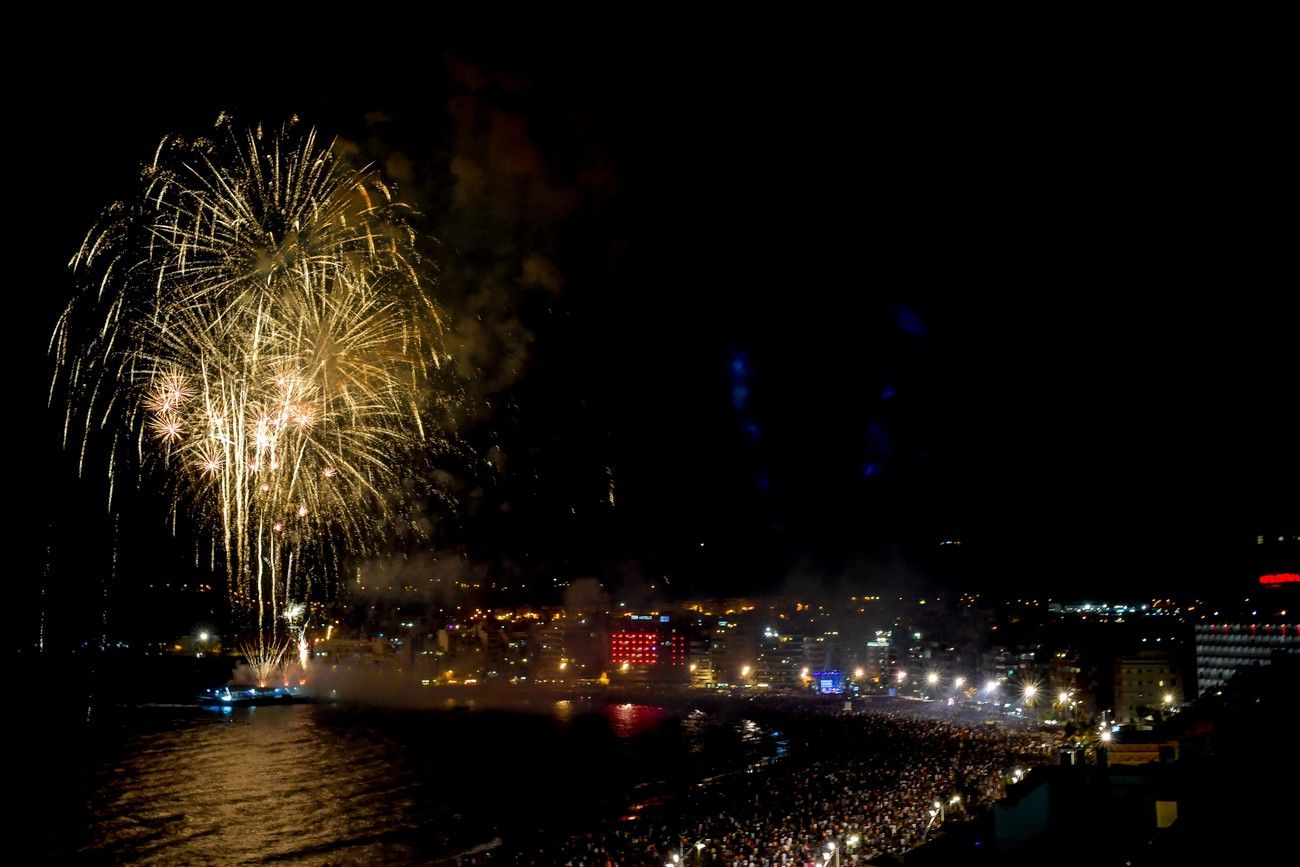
[{"x": 864, "y": 783}]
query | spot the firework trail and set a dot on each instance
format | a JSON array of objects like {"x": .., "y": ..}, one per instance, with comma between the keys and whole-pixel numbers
[{"x": 254, "y": 324}]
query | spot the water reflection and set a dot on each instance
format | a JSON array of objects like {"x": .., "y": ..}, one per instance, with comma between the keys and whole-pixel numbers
[
  {"x": 633, "y": 719},
  {"x": 330, "y": 784},
  {"x": 564, "y": 710},
  {"x": 262, "y": 784}
]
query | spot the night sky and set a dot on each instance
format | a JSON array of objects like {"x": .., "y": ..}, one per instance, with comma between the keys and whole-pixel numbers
[{"x": 808, "y": 320}]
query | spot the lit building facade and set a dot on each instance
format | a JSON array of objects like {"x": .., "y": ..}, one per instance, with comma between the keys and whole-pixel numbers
[
  {"x": 1224, "y": 648},
  {"x": 648, "y": 651},
  {"x": 1146, "y": 684}
]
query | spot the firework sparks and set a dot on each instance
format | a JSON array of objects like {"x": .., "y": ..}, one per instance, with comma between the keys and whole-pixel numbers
[
  {"x": 255, "y": 325},
  {"x": 265, "y": 660},
  {"x": 295, "y": 615}
]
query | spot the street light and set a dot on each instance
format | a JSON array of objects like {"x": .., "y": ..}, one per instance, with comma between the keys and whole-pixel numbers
[
  {"x": 959, "y": 682},
  {"x": 679, "y": 857},
  {"x": 991, "y": 687},
  {"x": 936, "y": 812},
  {"x": 1029, "y": 692},
  {"x": 932, "y": 678}
]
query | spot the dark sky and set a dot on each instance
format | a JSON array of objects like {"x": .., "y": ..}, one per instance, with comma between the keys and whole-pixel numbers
[{"x": 811, "y": 316}]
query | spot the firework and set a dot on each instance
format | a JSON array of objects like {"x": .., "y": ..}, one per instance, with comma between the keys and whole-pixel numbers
[
  {"x": 265, "y": 660},
  {"x": 295, "y": 616},
  {"x": 254, "y": 324}
]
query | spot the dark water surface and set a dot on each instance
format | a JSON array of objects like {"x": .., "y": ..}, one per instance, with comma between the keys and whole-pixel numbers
[{"x": 322, "y": 784}]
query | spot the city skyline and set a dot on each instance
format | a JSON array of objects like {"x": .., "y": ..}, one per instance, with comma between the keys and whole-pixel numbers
[
  {"x": 727, "y": 365},
  {"x": 691, "y": 451}
]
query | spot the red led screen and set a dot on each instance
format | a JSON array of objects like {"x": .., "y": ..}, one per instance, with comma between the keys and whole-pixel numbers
[{"x": 1280, "y": 578}]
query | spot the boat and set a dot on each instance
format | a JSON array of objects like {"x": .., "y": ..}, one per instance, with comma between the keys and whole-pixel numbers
[{"x": 249, "y": 696}]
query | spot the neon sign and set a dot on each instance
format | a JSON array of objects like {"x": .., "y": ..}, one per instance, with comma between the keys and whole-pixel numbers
[{"x": 1280, "y": 578}]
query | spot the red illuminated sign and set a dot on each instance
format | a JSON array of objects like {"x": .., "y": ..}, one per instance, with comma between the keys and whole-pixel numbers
[
  {"x": 647, "y": 648},
  {"x": 634, "y": 648},
  {"x": 1280, "y": 578}
]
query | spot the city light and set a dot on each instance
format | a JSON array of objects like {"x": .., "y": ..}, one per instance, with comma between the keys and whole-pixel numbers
[{"x": 303, "y": 403}]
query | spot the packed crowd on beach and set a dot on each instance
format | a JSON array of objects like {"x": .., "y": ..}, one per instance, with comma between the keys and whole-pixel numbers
[{"x": 865, "y": 784}]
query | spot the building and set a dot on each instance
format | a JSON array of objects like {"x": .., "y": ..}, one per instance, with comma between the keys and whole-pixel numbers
[
  {"x": 552, "y": 657},
  {"x": 1224, "y": 648},
  {"x": 1146, "y": 685},
  {"x": 648, "y": 648},
  {"x": 1069, "y": 686},
  {"x": 882, "y": 658},
  {"x": 732, "y": 655},
  {"x": 777, "y": 667}
]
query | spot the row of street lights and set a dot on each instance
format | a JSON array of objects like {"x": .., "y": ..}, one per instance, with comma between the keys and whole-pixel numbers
[{"x": 1029, "y": 691}]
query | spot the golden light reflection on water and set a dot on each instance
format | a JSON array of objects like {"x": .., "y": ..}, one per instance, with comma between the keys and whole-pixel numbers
[
  {"x": 564, "y": 710},
  {"x": 269, "y": 784}
]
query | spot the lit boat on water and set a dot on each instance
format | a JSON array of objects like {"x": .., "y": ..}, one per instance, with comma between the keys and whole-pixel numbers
[{"x": 245, "y": 696}]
